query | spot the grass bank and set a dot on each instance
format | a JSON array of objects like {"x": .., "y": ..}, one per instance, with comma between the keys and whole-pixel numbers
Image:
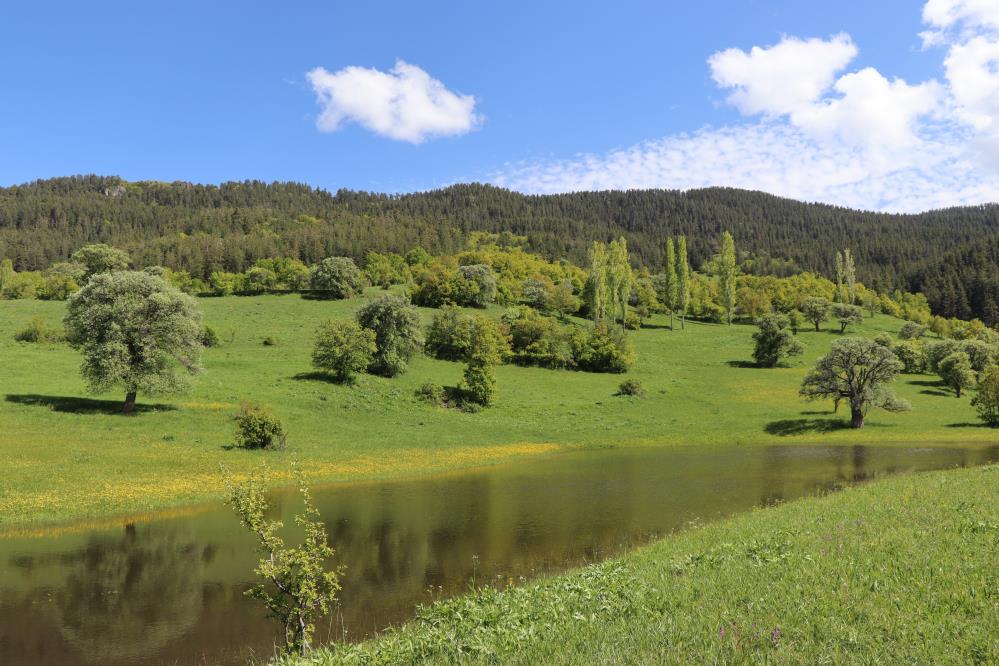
[
  {"x": 897, "y": 571},
  {"x": 70, "y": 456}
]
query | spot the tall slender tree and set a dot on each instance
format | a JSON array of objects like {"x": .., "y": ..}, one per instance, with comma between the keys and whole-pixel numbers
[
  {"x": 620, "y": 278},
  {"x": 669, "y": 284},
  {"x": 840, "y": 274},
  {"x": 597, "y": 292},
  {"x": 728, "y": 271},
  {"x": 682, "y": 280},
  {"x": 850, "y": 277}
]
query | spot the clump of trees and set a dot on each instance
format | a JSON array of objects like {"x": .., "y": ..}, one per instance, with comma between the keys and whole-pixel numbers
[
  {"x": 443, "y": 283},
  {"x": 343, "y": 349},
  {"x": 774, "y": 341},
  {"x": 542, "y": 341},
  {"x": 297, "y": 587},
  {"x": 337, "y": 277},
  {"x": 398, "y": 333},
  {"x": 858, "y": 371},
  {"x": 136, "y": 333}
]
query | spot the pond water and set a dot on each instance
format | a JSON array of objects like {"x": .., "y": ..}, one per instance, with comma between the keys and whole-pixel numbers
[{"x": 170, "y": 590}]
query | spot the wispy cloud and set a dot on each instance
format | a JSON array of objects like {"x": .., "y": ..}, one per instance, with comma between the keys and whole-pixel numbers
[
  {"x": 818, "y": 132},
  {"x": 405, "y": 104}
]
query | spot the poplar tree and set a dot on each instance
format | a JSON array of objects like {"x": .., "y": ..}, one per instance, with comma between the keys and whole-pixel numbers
[
  {"x": 669, "y": 286},
  {"x": 850, "y": 277},
  {"x": 840, "y": 272},
  {"x": 728, "y": 271},
  {"x": 597, "y": 293},
  {"x": 682, "y": 280},
  {"x": 621, "y": 279}
]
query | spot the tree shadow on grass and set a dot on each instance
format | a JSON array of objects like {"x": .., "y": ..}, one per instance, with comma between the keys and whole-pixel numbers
[
  {"x": 790, "y": 427},
  {"x": 322, "y": 377},
  {"x": 971, "y": 425},
  {"x": 741, "y": 364},
  {"x": 75, "y": 405},
  {"x": 936, "y": 392},
  {"x": 935, "y": 383}
]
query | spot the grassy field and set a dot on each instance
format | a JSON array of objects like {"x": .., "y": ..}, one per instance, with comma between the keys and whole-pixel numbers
[
  {"x": 845, "y": 578},
  {"x": 71, "y": 456}
]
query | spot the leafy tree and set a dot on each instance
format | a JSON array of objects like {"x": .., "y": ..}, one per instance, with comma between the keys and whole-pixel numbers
[
  {"x": 597, "y": 287},
  {"x": 682, "y": 280},
  {"x": 6, "y": 274},
  {"x": 619, "y": 279},
  {"x": 398, "y": 336},
  {"x": 99, "y": 258},
  {"x": 847, "y": 314},
  {"x": 564, "y": 300},
  {"x": 449, "y": 335},
  {"x": 339, "y": 277},
  {"x": 486, "y": 347},
  {"x": 856, "y": 370},
  {"x": 774, "y": 341},
  {"x": 986, "y": 401},
  {"x": 728, "y": 272},
  {"x": 258, "y": 428},
  {"x": 134, "y": 330},
  {"x": 298, "y": 589},
  {"x": 538, "y": 293},
  {"x": 794, "y": 320},
  {"x": 482, "y": 284},
  {"x": 911, "y": 331},
  {"x": 816, "y": 310},
  {"x": 343, "y": 349},
  {"x": 956, "y": 372},
  {"x": 910, "y": 353}
]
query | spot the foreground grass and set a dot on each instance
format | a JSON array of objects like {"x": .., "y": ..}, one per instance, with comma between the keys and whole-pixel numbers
[
  {"x": 70, "y": 456},
  {"x": 899, "y": 571}
]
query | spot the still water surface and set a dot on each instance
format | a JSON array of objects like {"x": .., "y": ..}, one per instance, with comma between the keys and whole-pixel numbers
[{"x": 170, "y": 590}]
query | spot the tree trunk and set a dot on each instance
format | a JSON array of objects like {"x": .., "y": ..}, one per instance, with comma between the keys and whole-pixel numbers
[
  {"x": 129, "y": 402},
  {"x": 958, "y": 391},
  {"x": 857, "y": 421},
  {"x": 816, "y": 327}
]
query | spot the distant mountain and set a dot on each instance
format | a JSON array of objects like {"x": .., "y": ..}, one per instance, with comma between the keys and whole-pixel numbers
[{"x": 952, "y": 255}]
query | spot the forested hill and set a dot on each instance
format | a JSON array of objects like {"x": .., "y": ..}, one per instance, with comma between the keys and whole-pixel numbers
[{"x": 951, "y": 255}]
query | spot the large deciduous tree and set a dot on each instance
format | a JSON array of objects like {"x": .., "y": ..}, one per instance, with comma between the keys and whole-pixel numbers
[
  {"x": 136, "y": 332},
  {"x": 398, "y": 335},
  {"x": 343, "y": 349},
  {"x": 859, "y": 371},
  {"x": 816, "y": 310},
  {"x": 338, "y": 277}
]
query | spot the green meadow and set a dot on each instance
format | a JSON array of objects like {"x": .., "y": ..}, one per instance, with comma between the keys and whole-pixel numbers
[
  {"x": 69, "y": 455},
  {"x": 842, "y": 579}
]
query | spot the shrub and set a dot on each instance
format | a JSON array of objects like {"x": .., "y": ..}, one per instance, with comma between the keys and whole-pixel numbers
[
  {"x": 449, "y": 334},
  {"x": 269, "y": 341},
  {"x": 486, "y": 348},
  {"x": 337, "y": 277},
  {"x": 38, "y": 331},
  {"x": 884, "y": 340},
  {"x": 398, "y": 335},
  {"x": 774, "y": 341},
  {"x": 631, "y": 387},
  {"x": 343, "y": 349},
  {"x": 431, "y": 393},
  {"x": 209, "y": 338},
  {"x": 606, "y": 349},
  {"x": 538, "y": 292},
  {"x": 632, "y": 321},
  {"x": 258, "y": 428},
  {"x": 539, "y": 340},
  {"x": 439, "y": 284}
]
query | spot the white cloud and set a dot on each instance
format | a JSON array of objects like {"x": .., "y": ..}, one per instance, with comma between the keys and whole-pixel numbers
[
  {"x": 405, "y": 104},
  {"x": 860, "y": 140},
  {"x": 782, "y": 78}
]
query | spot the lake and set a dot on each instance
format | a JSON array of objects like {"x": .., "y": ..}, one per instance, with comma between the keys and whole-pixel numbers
[{"x": 170, "y": 589}]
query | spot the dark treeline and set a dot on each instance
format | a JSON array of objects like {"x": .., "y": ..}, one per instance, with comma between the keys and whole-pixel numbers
[{"x": 952, "y": 255}]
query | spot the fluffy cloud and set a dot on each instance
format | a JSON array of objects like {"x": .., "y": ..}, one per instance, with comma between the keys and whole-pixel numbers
[
  {"x": 782, "y": 78},
  {"x": 405, "y": 104},
  {"x": 861, "y": 140}
]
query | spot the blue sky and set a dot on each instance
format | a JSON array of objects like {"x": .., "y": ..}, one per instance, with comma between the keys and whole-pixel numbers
[{"x": 539, "y": 96}]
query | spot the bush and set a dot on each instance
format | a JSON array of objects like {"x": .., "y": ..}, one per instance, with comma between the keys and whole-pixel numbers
[
  {"x": 337, "y": 277},
  {"x": 343, "y": 349},
  {"x": 38, "y": 331},
  {"x": 258, "y": 428},
  {"x": 449, "y": 334},
  {"x": 631, "y": 387},
  {"x": 440, "y": 284},
  {"x": 269, "y": 341},
  {"x": 482, "y": 284},
  {"x": 398, "y": 335},
  {"x": 431, "y": 393},
  {"x": 539, "y": 340},
  {"x": 209, "y": 338},
  {"x": 632, "y": 321},
  {"x": 606, "y": 349},
  {"x": 774, "y": 341},
  {"x": 911, "y": 331}
]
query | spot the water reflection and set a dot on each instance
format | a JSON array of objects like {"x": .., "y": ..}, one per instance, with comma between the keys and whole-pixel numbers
[{"x": 171, "y": 591}]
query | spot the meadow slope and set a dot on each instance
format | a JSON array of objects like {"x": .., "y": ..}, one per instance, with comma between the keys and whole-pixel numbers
[{"x": 71, "y": 456}]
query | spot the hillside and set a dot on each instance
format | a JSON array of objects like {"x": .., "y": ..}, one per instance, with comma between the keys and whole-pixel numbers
[{"x": 951, "y": 255}]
